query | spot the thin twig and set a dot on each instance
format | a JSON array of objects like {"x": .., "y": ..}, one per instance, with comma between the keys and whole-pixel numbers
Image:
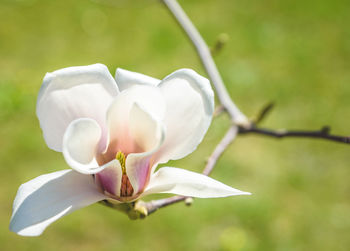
[
  {"x": 218, "y": 111},
  {"x": 207, "y": 60},
  {"x": 324, "y": 133},
  {"x": 154, "y": 205},
  {"x": 220, "y": 148},
  {"x": 264, "y": 112}
]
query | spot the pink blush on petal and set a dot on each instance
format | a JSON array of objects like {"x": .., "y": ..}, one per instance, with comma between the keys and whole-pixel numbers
[{"x": 108, "y": 179}]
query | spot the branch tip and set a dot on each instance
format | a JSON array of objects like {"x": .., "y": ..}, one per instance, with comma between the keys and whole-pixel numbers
[
  {"x": 188, "y": 201},
  {"x": 220, "y": 42},
  {"x": 264, "y": 112}
]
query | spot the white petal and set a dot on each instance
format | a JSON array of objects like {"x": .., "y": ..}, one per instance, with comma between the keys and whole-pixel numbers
[
  {"x": 189, "y": 109},
  {"x": 183, "y": 182},
  {"x": 149, "y": 134},
  {"x": 80, "y": 144},
  {"x": 45, "y": 199},
  {"x": 126, "y": 79},
  {"x": 146, "y": 130},
  {"x": 120, "y": 138},
  {"x": 71, "y": 93}
]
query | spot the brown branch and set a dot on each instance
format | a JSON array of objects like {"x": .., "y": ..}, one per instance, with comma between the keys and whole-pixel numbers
[{"x": 324, "y": 134}]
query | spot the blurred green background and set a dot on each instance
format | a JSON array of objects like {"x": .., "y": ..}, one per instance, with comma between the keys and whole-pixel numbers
[{"x": 293, "y": 52}]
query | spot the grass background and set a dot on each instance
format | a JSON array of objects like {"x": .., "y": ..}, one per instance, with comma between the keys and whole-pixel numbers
[{"x": 293, "y": 52}]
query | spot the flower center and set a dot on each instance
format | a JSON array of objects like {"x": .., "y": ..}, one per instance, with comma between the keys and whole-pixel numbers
[{"x": 126, "y": 189}]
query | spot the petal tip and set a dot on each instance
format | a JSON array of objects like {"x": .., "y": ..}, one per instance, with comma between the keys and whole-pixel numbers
[{"x": 246, "y": 193}]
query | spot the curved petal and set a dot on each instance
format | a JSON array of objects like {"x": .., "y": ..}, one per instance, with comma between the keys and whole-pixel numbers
[
  {"x": 186, "y": 183},
  {"x": 71, "y": 93},
  {"x": 110, "y": 178},
  {"x": 118, "y": 117},
  {"x": 149, "y": 134},
  {"x": 126, "y": 79},
  {"x": 47, "y": 198},
  {"x": 189, "y": 109},
  {"x": 80, "y": 143}
]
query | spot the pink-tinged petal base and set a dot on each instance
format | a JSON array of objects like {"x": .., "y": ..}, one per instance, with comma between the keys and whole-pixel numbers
[
  {"x": 121, "y": 137},
  {"x": 148, "y": 133},
  {"x": 109, "y": 180},
  {"x": 139, "y": 170}
]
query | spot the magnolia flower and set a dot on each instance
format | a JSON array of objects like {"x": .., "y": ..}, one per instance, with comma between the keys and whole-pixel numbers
[{"x": 113, "y": 133}]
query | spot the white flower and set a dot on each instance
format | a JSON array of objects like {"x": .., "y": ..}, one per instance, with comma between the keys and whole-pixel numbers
[{"x": 113, "y": 134}]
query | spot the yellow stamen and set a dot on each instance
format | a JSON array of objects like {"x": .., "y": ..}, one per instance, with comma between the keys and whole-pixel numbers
[
  {"x": 121, "y": 157},
  {"x": 126, "y": 189}
]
